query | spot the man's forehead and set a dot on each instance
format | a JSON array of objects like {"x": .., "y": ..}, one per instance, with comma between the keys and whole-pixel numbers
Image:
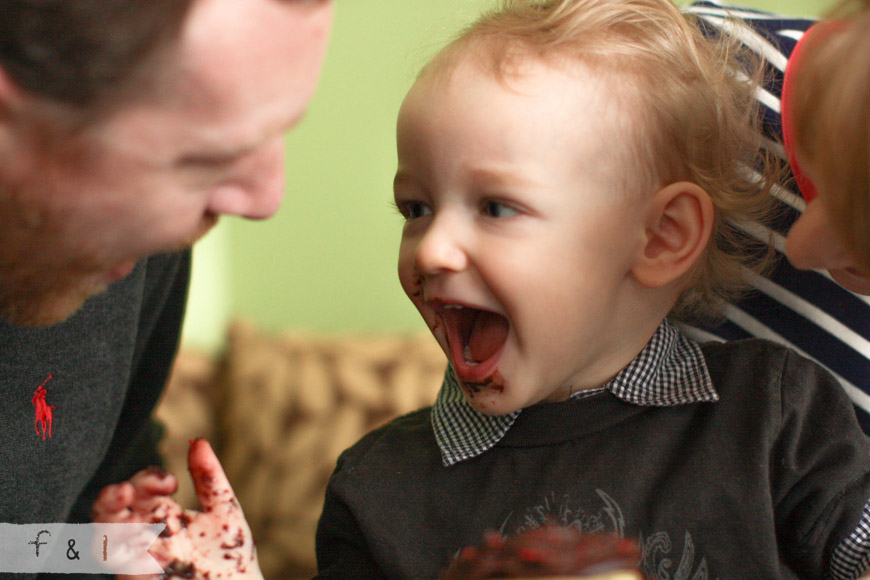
[
  {"x": 246, "y": 46},
  {"x": 240, "y": 74}
]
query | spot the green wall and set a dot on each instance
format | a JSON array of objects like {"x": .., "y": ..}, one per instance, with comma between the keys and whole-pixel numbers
[{"x": 327, "y": 260}]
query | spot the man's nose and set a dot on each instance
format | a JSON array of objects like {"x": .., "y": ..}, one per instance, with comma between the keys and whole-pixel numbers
[
  {"x": 255, "y": 188},
  {"x": 442, "y": 247}
]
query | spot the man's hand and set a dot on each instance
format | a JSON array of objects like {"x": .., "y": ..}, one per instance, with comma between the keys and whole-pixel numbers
[{"x": 213, "y": 543}]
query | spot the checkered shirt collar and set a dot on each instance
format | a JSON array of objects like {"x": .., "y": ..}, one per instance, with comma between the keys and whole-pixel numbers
[{"x": 669, "y": 371}]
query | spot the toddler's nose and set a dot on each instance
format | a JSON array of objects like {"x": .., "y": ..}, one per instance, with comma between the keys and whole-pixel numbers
[{"x": 440, "y": 249}]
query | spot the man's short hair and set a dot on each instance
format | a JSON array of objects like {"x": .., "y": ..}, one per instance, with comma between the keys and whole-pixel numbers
[{"x": 84, "y": 52}]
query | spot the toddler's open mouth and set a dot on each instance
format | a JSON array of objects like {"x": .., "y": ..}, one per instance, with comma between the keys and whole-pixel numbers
[{"x": 476, "y": 339}]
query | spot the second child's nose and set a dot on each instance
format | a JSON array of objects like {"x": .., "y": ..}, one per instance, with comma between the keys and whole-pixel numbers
[{"x": 440, "y": 250}]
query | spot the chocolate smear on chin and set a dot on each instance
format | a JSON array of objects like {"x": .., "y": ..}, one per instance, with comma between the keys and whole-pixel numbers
[{"x": 493, "y": 382}]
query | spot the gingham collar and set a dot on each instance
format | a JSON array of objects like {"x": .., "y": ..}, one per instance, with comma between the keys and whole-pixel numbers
[{"x": 669, "y": 371}]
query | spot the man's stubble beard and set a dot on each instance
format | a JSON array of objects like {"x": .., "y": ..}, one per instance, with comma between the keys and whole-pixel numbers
[
  {"x": 43, "y": 298},
  {"x": 51, "y": 299}
]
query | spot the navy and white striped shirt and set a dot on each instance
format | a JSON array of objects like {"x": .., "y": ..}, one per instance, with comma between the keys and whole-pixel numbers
[{"x": 807, "y": 311}]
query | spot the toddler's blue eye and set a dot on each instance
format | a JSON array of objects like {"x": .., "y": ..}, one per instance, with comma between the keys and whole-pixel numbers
[
  {"x": 498, "y": 210},
  {"x": 414, "y": 209}
]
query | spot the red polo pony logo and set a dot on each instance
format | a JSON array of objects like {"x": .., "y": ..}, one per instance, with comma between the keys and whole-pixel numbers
[{"x": 44, "y": 411}]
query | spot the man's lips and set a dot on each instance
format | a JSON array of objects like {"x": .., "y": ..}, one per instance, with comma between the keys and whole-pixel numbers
[{"x": 120, "y": 271}]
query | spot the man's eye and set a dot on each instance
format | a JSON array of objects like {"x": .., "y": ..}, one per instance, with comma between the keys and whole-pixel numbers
[
  {"x": 209, "y": 160},
  {"x": 498, "y": 210},
  {"x": 412, "y": 210}
]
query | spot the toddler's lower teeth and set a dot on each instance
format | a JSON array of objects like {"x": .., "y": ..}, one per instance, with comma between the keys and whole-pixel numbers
[{"x": 467, "y": 352}]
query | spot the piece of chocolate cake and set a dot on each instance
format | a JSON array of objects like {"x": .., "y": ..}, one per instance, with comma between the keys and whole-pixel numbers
[{"x": 549, "y": 551}]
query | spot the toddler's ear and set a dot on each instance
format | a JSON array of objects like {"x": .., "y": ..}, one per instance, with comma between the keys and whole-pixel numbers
[{"x": 678, "y": 226}]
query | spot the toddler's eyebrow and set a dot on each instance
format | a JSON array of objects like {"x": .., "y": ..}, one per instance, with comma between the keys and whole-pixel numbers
[
  {"x": 482, "y": 177},
  {"x": 500, "y": 177},
  {"x": 401, "y": 178}
]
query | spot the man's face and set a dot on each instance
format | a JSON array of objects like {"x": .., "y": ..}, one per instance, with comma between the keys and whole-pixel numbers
[
  {"x": 154, "y": 175},
  {"x": 519, "y": 240}
]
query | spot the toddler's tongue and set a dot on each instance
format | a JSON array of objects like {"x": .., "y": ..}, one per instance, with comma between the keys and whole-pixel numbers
[{"x": 488, "y": 333}]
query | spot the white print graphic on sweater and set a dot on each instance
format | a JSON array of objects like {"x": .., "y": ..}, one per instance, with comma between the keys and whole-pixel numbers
[{"x": 658, "y": 559}]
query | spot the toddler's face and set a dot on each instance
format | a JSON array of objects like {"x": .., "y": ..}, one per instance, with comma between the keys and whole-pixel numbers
[{"x": 519, "y": 238}]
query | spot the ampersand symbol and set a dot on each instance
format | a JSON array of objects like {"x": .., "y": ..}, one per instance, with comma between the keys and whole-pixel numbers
[{"x": 71, "y": 554}]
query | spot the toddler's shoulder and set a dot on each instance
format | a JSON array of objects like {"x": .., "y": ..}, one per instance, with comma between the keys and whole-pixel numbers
[
  {"x": 404, "y": 439},
  {"x": 768, "y": 370},
  {"x": 757, "y": 355},
  {"x": 744, "y": 350}
]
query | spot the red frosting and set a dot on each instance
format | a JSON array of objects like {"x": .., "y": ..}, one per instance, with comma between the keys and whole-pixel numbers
[{"x": 546, "y": 551}]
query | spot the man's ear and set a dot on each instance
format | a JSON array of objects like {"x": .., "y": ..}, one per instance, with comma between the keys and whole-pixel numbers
[
  {"x": 11, "y": 100},
  {"x": 17, "y": 109},
  {"x": 678, "y": 226},
  {"x": 10, "y": 95}
]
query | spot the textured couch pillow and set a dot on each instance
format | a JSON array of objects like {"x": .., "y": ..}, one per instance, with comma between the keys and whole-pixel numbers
[{"x": 290, "y": 404}]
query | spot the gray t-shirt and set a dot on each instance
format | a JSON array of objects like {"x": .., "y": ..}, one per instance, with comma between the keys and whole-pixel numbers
[{"x": 76, "y": 398}]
